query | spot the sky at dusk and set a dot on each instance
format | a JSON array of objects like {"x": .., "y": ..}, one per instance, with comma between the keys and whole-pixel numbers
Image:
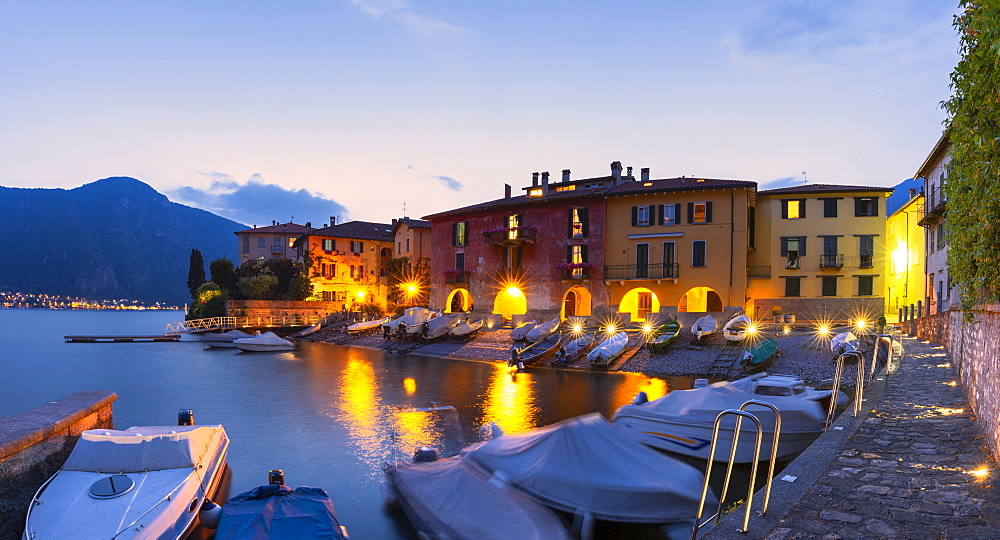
[{"x": 263, "y": 111}]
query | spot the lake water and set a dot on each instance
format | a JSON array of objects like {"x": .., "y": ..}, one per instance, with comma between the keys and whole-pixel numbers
[{"x": 321, "y": 413}]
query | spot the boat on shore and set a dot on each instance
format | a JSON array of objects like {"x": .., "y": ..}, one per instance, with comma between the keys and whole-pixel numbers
[
  {"x": 738, "y": 328},
  {"x": 604, "y": 354},
  {"x": 682, "y": 422},
  {"x": 266, "y": 342},
  {"x": 704, "y": 327},
  {"x": 536, "y": 352},
  {"x": 411, "y": 316},
  {"x": 225, "y": 340},
  {"x": 844, "y": 342},
  {"x": 439, "y": 326},
  {"x": 759, "y": 356},
  {"x": 142, "y": 482},
  {"x": 307, "y": 331},
  {"x": 542, "y": 331},
  {"x": 575, "y": 350},
  {"x": 466, "y": 330},
  {"x": 664, "y": 337},
  {"x": 521, "y": 332},
  {"x": 366, "y": 326}
]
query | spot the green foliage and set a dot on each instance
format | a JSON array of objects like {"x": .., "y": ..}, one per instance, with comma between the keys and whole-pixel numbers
[
  {"x": 259, "y": 287},
  {"x": 299, "y": 288},
  {"x": 196, "y": 271},
  {"x": 972, "y": 191},
  {"x": 209, "y": 301},
  {"x": 224, "y": 274}
]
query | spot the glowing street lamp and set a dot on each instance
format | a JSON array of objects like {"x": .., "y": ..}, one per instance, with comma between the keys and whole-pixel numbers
[
  {"x": 751, "y": 330},
  {"x": 823, "y": 330},
  {"x": 611, "y": 329},
  {"x": 577, "y": 328},
  {"x": 513, "y": 291}
]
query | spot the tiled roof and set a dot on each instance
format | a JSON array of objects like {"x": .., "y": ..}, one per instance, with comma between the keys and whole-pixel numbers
[
  {"x": 289, "y": 227},
  {"x": 678, "y": 184},
  {"x": 823, "y": 188},
  {"x": 361, "y": 230},
  {"x": 519, "y": 200},
  {"x": 411, "y": 223}
]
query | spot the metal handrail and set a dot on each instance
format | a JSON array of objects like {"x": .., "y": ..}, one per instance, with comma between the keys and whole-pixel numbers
[
  {"x": 740, "y": 415},
  {"x": 774, "y": 448},
  {"x": 216, "y": 323},
  {"x": 887, "y": 339},
  {"x": 858, "y": 391}
]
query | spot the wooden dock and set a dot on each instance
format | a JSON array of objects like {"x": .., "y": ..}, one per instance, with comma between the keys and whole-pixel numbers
[{"x": 118, "y": 339}]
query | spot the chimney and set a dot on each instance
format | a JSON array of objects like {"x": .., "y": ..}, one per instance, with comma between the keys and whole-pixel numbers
[
  {"x": 333, "y": 220},
  {"x": 629, "y": 173},
  {"x": 616, "y": 172},
  {"x": 309, "y": 225},
  {"x": 565, "y": 175},
  {"x": 394, "y": 220},
  {"x": 534, "y": 179},
  {"x": 545, "y": 183},
  {"x": 506, "y": 190},
  {"x": 913, "y": 192},
  {"x": 644, "y": 174}
]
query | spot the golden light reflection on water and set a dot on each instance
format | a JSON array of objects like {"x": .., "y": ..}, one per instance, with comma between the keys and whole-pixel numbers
[
  {"x": 626, "y": 392},
  {"x": 410, "y": 385},
  {"x": 358, "y": 407},
  {"x": 510, "y": 401}
]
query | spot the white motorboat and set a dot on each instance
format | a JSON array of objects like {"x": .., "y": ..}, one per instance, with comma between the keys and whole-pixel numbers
[
  {"x": 366, "y": 326},
  {"x": 439, "y": 326},
  {"x": 608, "y": 349},
  {"x": 224, "y": 340},
  {"x": 411, "y": 316},
  {"x": 268, "y": 341},
  {"x": 542, "y": 331},
  {"x": 704, "y": 327},
  {"x": 521, "y": 332},
  {"x": 415, "y": 329},
  {"x": 844, "y": 342},
  {"x": 585, "y": 466},
  {"x": 682, "y": 422},
  {"x": 737, "y": 328},
  {"x": 191, "y": 336},
  {"x": 763, "y": 384},
  {"x": 143, "y": 482},
  {"x": 466, "y": 330}
]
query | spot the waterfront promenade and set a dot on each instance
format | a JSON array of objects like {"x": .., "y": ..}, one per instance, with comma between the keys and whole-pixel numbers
[{"x": 916, "y": 466}]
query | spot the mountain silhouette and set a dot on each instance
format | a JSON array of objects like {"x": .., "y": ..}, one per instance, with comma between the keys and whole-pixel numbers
[{"x": 113, "y": 238}]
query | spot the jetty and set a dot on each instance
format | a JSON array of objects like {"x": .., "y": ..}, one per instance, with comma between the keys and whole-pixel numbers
[{"x": 118, "y": 339}]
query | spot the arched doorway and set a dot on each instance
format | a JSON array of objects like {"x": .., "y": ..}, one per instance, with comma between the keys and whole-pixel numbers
[
  {"x": 638, "y": 302},
  {"x": 459, "y": 301},
  {"x": 700, "y": 299},
  {"x": 509, "y": 302},
  {"x": 576, "y": 303}
]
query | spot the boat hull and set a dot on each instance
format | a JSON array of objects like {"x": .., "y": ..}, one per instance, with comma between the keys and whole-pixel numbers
[{"x": 257, "y": 347}]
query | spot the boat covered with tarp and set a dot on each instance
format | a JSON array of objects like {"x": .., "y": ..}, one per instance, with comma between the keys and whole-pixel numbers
[
  {"x": 585, "y": 466},
  {"x": 266, "y": 342},
  {"x": 759, "y": 355},
  {"x": 366, "y": 326},
  {"x": 543, "y": 330},
  {"x": 521, "y": 332},
  {"x": 224, "y": 340},
  {"x": 608, "y": 350},
  {"x": 278, "y": 511},
  {"x": 411, "y": 316}
]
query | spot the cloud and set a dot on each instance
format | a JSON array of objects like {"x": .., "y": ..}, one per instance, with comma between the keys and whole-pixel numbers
[
  {"x": 258, "y": 202},
  {"x": 399, "y": 10},
  {"x": 780, "y": 183},
  {"x": 448, "y": 181}
]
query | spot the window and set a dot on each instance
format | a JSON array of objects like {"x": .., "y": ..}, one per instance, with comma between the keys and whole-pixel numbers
[
  {"x": 700, "y": 212},
  {"x": 642, "y": 260},
  {"x": 459, "y": 233},
  {"x": 536, "y": 192},
  {"x": 513, "y": 222},
  {"x": 866, "y": 285},
  {"x": 698, "y": 248},
  {"x": 793, "y": 208},
  {"x": 793, "y": 248},
  {"x": 246, "y": 243},
  {"x": 793, "y": 286},
  {"x": 329, "y": 270},
  {"x": 329, "y": 296},
  {"x": 460, "y": 261},
  {"x": 407, "y": 244},
  {"x": 328, "y": 244},
  {"x": 291, "y": 242},
  {"x": 399, "y": 248},
  {"x": 829, "y": 207},
  {"x": 865, "y": 206},
  {"x": 512, "y": 258},
  {"x": 940, "y": 236},
  {"x": 277, "y": 242},
  {"x": 577, "y": 254},
  {"x": 261, "y": 242},
  {"x": 670, "y": 214},
  {"x": 830, "y": 257},
  {"x": 867, "y": 251},
  {"x": 930, "y": 240},
  {"x": 357, "y": 247},
  {"x": 669, "y": 260},
  {"x": 829, "y": 285},
  {"x": 829, "y": 245},
  {"x": 357, "y": 272},
  {"x": 640, "y": 216},
  {"x": 579, "y": 226}
]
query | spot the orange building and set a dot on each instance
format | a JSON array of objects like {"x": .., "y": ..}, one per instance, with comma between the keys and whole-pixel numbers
[{"x": 348, "y": 262}]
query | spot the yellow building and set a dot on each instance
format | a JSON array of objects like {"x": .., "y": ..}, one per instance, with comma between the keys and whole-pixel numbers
[
  {"x": 677, "y": 245},
  {"x": 348, "y": 262},
  {"x": 817, "y": 252},
  {"x": 904, "y": 262},
  {"x": 275, "y": 241}
]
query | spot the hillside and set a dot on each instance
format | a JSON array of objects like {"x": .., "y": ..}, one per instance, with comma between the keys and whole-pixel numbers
[{"x": 113, "y": 238}]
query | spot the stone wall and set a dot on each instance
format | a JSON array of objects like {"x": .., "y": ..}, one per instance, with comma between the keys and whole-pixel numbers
[
  {"x": 974, "y": 347},
  {"x": 35, "y": 443},
  {"x": 821, "y": 309},
  {"x": 282, "y": 309}
]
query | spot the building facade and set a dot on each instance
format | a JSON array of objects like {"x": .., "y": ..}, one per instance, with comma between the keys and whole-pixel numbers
[
  {"x": 939, "y": 294},
  {"x": 275, "y": 241},
  {"x": 904, "y": 261},
  {"x": 348, "y": 263},
  {"x": 818, "y": 252}
]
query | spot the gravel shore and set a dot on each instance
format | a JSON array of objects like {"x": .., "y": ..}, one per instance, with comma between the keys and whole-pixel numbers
[{"x": 800, "y": 352}]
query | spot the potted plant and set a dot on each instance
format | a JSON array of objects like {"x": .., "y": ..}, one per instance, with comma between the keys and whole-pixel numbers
[
  {"x": 776, "y": 311},
  {"x": 789, "y": 317}
]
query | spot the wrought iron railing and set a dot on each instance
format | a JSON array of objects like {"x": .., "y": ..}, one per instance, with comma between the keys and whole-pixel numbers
[
  {"x": 866, "y": 261},
  {"x": 831, "y": 261},
  {"x": 516, "y": 235},
  {"x": 579, "y": 273},
  {"x": 216, "y": 323},
  {"x": 642, "y": 271}
]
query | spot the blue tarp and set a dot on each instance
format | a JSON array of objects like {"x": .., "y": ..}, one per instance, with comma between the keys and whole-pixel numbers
[{"x": 274, "y": 511}]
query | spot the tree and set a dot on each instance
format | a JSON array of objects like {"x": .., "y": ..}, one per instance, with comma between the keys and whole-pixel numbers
[
  {"x": 209, "y": 301},
  {"x": 223, "y": 274},
  {"x": 973, "y": 193},
  {"x": 196, "y": 272}
]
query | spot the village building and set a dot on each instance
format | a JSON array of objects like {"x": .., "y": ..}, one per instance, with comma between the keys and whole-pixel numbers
[
  {"x": 348, "y": 262},
  {"x": 904, "y": 260},
  {"x": 275, "y": 241},
  {"x": 939, "y": 293},
  {"x": 409, "y": 270}
]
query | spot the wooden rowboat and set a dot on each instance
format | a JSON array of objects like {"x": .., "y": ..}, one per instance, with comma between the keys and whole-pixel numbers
[
  {"x": 759, "y": 356},
  {"x": 665, "y": 336}
]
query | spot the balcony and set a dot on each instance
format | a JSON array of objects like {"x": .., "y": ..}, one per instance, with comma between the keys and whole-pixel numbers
[
  {"x": 456, "y": 277},
  {"x": 641, "y": 271},
  {"x": 567, "y": 274},
  {"x": 831, "y": 260},
  {"x": 277, "y": 249},
  {"x": 759, "y": 272},
  {"x": 511, "y": 236},
  {"x": 866, "y": 261}
]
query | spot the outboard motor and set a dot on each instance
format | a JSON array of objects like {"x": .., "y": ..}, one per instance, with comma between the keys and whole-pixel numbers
[
  {"x": 520, "y": 367},
  {"x": 209, "y": 514},
  {"x": 276, "y": 477},
  {"x": 640, "y": 398},
  {"x": 490, "y": 431},
  {"x": 425, "y": 454},
  {"x": 185, "y": 417}
]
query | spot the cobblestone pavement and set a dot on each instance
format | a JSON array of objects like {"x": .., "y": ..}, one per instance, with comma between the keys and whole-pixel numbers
[{"x": 907, "y": 472}]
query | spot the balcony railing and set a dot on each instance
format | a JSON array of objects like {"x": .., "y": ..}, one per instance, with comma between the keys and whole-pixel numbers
[
  {"x": 642, "y": 271},
  {"x": 453, "y": 278},
  {"x": 277, "y": 249},
  {"x": 866, "y": 261},
  {"x": 831, "y": 261},
  {"x": 763, "y": 272},
  {"x": 579, "y": 273},
  {"x": 511, "y": 236}
]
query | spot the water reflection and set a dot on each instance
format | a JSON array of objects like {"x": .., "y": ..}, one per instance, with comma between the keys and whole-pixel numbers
[
  {"x": 510, "y": 400},
  {"x": 360, "y": 411}
]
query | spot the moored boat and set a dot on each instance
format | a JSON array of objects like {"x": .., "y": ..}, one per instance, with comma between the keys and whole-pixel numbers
[
  {"x": 366, "y": 326},
  {"x": 608, "y": 350},
  {"x": 664, "y": 337},
  {"x": 764, "y": 384},
  {"x": 758, "y": 356},
  {"x": 224, "y": 340},
  {"x": 266, "y": 342},
  {"x": 704, "y": 327},
  {"x": 521, "y": 332},
  {"x": 537, "y": 351},
  {"x": 682, "y": 422},
  {"x": 142, "y": 482},
  {"x": 574, "y": 350},
  {"x": 543, "y": 330},
  {"x": 411, "y": 316},
  {"x": 738, "y": 328}
]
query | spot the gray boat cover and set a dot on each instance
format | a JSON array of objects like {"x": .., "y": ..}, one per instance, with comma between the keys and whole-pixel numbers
[
  {"x": 227, "y": 336},
  {"x": 274, "y": 511},
  {"x": 609, "y": 348},
  {"x": 267, "y": 338},
  {"x": 145, "y": 448},
  {"x": 702, "y": 405},
  {"x": 584, "y": 465},
  {"x": 453, "y": 498}
]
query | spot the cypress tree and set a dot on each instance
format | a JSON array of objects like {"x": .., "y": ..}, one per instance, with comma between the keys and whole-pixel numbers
[{"x": 196, "y": 272}]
